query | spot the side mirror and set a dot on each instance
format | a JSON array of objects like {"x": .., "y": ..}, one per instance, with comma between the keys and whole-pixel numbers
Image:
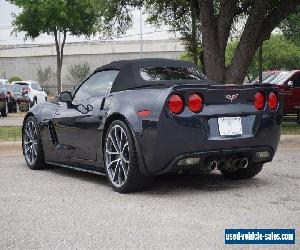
[
  {"x": 290, "y": 84},
  {"x": 65, "y": 96}
]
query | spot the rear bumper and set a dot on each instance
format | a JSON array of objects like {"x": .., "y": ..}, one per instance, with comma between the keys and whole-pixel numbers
[{"x": 166, "y": 142}]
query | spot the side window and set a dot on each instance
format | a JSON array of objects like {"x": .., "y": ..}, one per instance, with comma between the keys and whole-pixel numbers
[
  {"x": 96, "y": 85},
  {"x": 296, "y": 80},
  {"x": 38, "y": 87}
]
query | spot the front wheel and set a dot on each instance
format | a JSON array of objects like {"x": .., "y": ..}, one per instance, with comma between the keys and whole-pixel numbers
[
  {"x": 243, "y": 173},
  {"x": 32, "y": 144},
  {"x": 121, "y": 164}
]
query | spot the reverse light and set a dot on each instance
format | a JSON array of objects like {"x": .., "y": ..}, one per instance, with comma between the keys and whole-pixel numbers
[
  {"x": 259, "y": 100},
  {"x": 195, "y": 103},
  {"x": 273, "y": 101},
  {"x": 189, "y": 161},
  {"x": 176, "y": 104}
]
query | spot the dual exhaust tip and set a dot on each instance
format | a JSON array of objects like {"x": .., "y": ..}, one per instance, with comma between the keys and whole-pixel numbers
[{"x": 229, "y": 164}]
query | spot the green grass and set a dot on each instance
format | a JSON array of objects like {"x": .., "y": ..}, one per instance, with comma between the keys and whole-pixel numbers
[
  {"x": 10, "y": 133},
  {"x": 15, "y": 133},
  {"x": 289, "y": 128}
]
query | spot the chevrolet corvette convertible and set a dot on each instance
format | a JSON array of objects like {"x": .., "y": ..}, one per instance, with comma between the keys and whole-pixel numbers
[{"x": 135, "y": 119}]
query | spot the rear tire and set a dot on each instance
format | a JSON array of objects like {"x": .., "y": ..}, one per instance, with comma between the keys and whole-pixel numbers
[
  {"x": 32, "y": 144},
  {"x": 243, "y": 173},
  {"x": 121, "y": 163}
]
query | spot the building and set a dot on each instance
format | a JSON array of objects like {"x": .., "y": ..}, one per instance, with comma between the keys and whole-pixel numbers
[{"x": 23, "y": 60}]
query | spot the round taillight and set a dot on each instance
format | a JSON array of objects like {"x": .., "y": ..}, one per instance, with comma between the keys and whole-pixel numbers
[
  {"x": 195, "y": 103},
  {"x": 273, "y": 101},
  {"x": 176, "y": 104},
  {"x": 259, "y": 101}
]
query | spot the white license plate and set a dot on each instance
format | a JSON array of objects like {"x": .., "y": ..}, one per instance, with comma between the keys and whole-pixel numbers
[{"x": 230, "y": 126}]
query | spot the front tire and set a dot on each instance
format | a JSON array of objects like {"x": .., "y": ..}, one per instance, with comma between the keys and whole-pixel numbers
[
  {"x": 121, "y": 163},
  {"x": 32, "y": 144},
  {"x": 243, "y": 173}
]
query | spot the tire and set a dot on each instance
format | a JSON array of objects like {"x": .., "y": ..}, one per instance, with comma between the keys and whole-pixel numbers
[
  {"x": 37, "y": 159},
  {"x": 243, "y": 173},
  {"x": 123, "y": 175},
  {"x": 4, "y": 111},
  {"x": 298, "y": 117}
]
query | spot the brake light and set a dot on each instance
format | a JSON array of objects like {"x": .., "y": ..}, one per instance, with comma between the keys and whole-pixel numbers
[
  {"x": 176, "y": 104},
  {"x": 259, "y": 100},
  {"x": 273, "y": 101},
  {"x": 195, "y": 103}
]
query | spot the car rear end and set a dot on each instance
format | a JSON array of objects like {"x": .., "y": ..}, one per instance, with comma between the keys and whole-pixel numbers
[{"x": 209, "y": 125}]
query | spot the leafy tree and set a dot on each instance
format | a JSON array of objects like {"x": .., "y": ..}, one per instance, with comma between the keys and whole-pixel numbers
[
  {"x": 44, "y": 74},
  {"x": 279, "y": 53},
  {"x": 78, "y": 72},
  {"x": 14, "y": 78},
  {"x": 69, "y": 17},
  {"x": 218, "y": 18},
  {"x": 291, "y": 27}
]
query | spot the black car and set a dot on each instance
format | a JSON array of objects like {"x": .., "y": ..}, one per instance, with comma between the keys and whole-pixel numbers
[
  {"x": 3, "y": 101},
  {"x": 135, "y": 119},
  {"x": 17, "y": 99}
]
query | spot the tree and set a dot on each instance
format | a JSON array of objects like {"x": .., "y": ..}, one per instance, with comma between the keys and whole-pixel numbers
[
  {"x": 44, "y": 74},
  {"x": 56, "y": 17},
  {"x": 217, "y": 19},
  {"x": 291, "y": 27},
  {"x": 78, "y": 72}
]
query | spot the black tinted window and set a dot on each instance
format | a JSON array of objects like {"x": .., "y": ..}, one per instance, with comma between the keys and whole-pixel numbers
[
  {"x": 170, "y": 73},
  {"x": 296, "y": 79},
  {"x": 96, "y": 85}
]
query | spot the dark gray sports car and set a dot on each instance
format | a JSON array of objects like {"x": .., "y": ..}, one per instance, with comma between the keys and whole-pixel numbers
[{"x": 134, "y": 119}]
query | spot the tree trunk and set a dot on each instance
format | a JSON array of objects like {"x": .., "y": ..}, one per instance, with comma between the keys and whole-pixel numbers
[
  {"x": 216, "y": 28},
  {"x": 194, "y": 42},
  {"x": 59, "y": 59}
]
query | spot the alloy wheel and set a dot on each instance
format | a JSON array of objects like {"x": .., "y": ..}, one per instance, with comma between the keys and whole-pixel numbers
[
  {"x": 117, "y": 155},
  {"x": 30, "y": 140}
]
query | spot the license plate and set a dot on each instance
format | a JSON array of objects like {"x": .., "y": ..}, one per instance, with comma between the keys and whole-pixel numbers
[{"x": 230, "y": 126}]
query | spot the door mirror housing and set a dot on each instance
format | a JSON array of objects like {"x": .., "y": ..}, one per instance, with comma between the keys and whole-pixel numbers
[
  {"x": 290, "y": 84},
  {"x": 65, "y": 96}
]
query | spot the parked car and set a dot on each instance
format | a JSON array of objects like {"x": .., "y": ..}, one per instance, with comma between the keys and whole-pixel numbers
[
  {"x": 266, "y": 75},
  {"x": 3, "y": 82},
  {"x": 17, "y": 99},
  {"x": 134, "y": 119},
  {"x": 288, "y": 83},
  {"x": 35, "y": 92},
  {"x": 3, "y": 102}
]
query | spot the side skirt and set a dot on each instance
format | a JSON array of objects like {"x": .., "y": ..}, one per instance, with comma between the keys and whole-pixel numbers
[{"x": 82, "y": 168}]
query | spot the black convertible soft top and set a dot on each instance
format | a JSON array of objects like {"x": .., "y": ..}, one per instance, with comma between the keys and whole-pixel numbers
[{"x": 130, "y": 77}]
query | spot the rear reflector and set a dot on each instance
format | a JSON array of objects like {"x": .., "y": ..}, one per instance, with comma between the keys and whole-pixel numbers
[
  {"x": 176, "y": 104},
  {"x": 195, "y": 103},
  {"x": 143, "y": 113},
  {"x": 273, "y": 101},
  {"x": 259, "y": 100}
]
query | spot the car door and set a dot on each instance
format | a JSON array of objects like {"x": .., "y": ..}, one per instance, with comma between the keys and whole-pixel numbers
[{"x": 77, "y": 123}]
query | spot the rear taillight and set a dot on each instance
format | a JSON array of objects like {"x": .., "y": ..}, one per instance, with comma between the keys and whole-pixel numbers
[
  {"x": 259, "y": 101},
  {"x": 273, "y": 101},
  {"x": 195, "y": 103},
  {"x": 176, "y": 104}
]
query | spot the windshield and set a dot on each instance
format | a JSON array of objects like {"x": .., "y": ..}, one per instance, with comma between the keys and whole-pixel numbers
[
  {"x": 281, "y": 77},
  {"x": 170, "y": 73},
  {"x": 14, "y": 89}
]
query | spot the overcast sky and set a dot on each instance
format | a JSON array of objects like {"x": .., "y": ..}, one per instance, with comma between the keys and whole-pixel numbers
[{"x": 6, "y": 9}]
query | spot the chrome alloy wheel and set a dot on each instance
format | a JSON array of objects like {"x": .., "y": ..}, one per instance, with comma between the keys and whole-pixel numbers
[
  {"x": 117, "y": 155},
  {"x": 30, "y": 140}
]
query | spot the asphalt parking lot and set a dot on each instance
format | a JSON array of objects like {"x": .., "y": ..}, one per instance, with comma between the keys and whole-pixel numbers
[{"x": 62, "y": 209}]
